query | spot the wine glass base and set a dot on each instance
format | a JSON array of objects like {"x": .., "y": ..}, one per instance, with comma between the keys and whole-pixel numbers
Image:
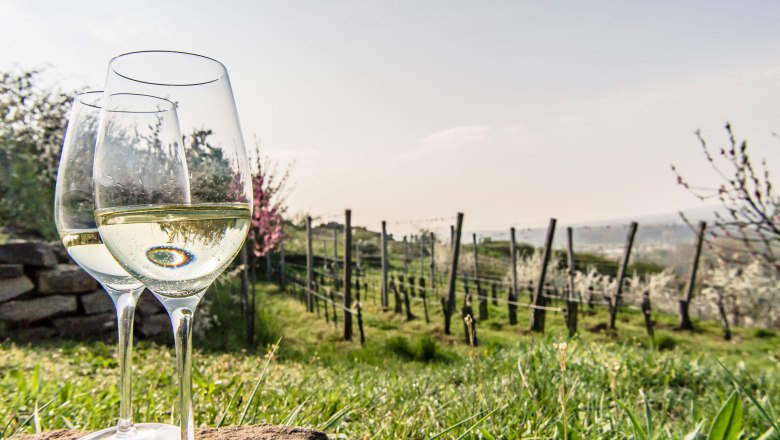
[{"x": 143, "y": 431}]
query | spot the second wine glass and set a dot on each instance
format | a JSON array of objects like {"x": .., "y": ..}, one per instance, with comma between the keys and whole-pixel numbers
[{"x": 74, "y": 217}]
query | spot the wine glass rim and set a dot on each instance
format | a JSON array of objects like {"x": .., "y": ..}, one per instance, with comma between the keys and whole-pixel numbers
[
  {"x": 112, "y": 65},
  {"x": 172, "y": 107},
  {"x": 80, "y": 98}
]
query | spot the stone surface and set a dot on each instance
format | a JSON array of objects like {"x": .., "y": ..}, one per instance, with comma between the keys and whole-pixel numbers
[
  {"x": 10, "y": 288},
  {"x": 256, "y": 432},
  {"x": 63, "y": 257},
  {"x": 94, "y": 325},
  {"x": 19, "y": 311},
  {"x": 96, "y": 302},
  {"x": 11, "y": 271},
  {"x": 154, "y": 325},
  {"x": 66, "y": 278},
  {"x": 148, "y": 304},
  {"x": 28, "y": 253}
]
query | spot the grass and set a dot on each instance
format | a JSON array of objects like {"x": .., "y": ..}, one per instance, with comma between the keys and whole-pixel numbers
[{"x": 409, "y": 380}]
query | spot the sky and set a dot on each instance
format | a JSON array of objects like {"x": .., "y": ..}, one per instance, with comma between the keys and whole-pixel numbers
[{"x": 511, "y": 112}]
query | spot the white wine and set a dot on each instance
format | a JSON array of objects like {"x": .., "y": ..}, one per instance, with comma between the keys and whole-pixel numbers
[
  {"x": 175, "y": 250},
  {"x": 87, "y": 249}
]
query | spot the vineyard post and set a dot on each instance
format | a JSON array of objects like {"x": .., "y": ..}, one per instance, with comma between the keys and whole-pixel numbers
[
  {"x": 646, "y": 310},
  {"x": 422, "y": 255},
  {"x": 433, "y": 263},
  {"x": 424, "y": 296},
  {"x": 336, "y": 280},
  {"x": 348, "y": 275},
  {"x": 483, "y": 303},
  {"x": 494, "y": 293},
  {"x": 309, "y": 267},
  {"x": 333, "y": 302},
  {"x": 685, "y": 319},
  {"x": 537, "y": 311},
  {"x": 453, "y": 276},
  {"x": 615, "y": 302},
  {"x": 571, "y": 303},
  {"x": 384, "y": 292},
  {"x": 452, "y": 235},
  {"x": 406, "y": 257},
  {"x": 397, "y": 294},
  {"x": 359, "y": 308},
  {"x": 408, "y": 281},
  {"x": 513, "y": 289}
]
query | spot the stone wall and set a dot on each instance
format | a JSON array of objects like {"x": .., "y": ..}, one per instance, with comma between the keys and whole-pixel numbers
[{"x": 44, "y": 294}]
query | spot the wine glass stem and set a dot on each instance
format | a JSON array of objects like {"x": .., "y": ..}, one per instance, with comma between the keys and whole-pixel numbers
[
  {"x": 181, "y": 319},
  {"x": 125, "y": 312}
]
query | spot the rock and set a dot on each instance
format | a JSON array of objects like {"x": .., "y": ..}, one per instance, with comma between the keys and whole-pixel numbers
[
  {"x": 33, "y": 334},
  {"x": 154, "y": 325},
  {"x": 96, "y": 302},
  {"x": 94, "y": 325},
  {"x": 29, "y": 254},
  {"x": 39, "y": 308},
  {"x": 11, "y": 271},
  {"x": 63, "y": 257},
  {"x": 12, "y": 287},
  {"x": 256, "y": 432},
  {"x": 148, "y": 304},
  {"x": 66, "y": 278}
]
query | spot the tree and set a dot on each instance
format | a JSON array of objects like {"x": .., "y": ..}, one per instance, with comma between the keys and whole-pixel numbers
[
  {"x": 750, "y": 226},
  {"x": 32, "y": 126}
]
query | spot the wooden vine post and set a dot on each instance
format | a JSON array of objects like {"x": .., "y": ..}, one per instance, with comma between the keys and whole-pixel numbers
[
  {"x": 336, "y": 280},
  {"x": 309, "y": 267},
  {"x": 481, "y": 294},
  {"x": 685, "y": 318},
  {"x": 616, "y": 298},
  {"x": 512, "y": 304},
  {"x": 453, "y": 276},
  {"x": 571, "y": 301},
  {"x": 384, "y": 292},
  {"x": 539, "y": 300},
  {"x": 433, "y": 263},
  {"x": 347, "y": 275}
]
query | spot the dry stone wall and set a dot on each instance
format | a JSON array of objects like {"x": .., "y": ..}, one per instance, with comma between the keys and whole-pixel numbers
[{"x": 44, "y": 294}]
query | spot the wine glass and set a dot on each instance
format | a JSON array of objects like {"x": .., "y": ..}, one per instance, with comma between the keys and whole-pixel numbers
[
  {"x": 173, "y": 205},
  {"x": 74, "y": 216}
]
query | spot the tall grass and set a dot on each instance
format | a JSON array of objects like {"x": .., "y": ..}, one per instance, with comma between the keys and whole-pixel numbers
[{"x": 510, "y": 386}]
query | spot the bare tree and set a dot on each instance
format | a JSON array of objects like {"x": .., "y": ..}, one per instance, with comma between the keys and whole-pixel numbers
[{"x": 749, "y": 227}]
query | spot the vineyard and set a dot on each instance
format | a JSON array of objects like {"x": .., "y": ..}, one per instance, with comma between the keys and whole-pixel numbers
[{"x": 422, "y": 276}]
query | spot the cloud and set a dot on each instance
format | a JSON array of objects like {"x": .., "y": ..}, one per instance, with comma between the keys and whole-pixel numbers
[
  {"x": 447, "y": 139},
  {"x": 772, "y": 72}
]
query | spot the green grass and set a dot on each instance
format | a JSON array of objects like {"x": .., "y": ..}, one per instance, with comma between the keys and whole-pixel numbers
[{"x": 409, "y": 380}]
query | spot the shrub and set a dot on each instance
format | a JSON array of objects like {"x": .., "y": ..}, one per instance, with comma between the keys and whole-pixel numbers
[
  {"x": 764, "y": 333},
  {"x": 665, "y": 342},
  {"x": 399, "y": 345}
]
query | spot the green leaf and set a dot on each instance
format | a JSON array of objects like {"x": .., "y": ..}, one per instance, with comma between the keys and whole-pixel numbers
[
  {"x": 750, "y": 396},
  {"x": 769, "y": 435},
  {"x": 648, "y": 414},
  {"x": 638, "y": 431},
  {"x": 728, "y": 422}
]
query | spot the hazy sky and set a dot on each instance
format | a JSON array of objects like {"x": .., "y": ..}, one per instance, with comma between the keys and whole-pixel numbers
[{"x": 509, "y": 111}]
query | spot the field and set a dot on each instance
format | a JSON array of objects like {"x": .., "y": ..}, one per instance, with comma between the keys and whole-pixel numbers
[{"x": 410, "y": 380}]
